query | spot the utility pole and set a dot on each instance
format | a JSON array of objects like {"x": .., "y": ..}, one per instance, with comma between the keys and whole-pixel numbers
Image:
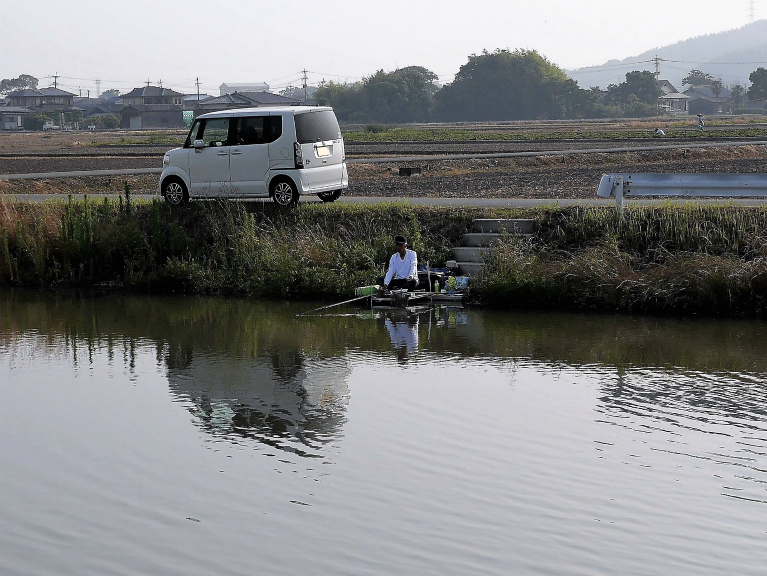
[
  {"x": 55, "y": 80},
  {"x": 657, "y": 65},
  {"x": 305, "y": 79},
  {"x": 98, "y": 87},
  {"x": 197, "y": 83}
]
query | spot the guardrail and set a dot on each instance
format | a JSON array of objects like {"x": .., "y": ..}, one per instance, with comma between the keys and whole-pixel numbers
[{"x": 695, "y": 185}]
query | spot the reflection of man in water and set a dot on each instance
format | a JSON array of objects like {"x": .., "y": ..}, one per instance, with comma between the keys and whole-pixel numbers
[{"x": 404, "y": 336}]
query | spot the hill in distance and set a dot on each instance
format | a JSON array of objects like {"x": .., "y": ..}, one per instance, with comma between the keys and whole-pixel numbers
[{"x": 730, "y": 56}]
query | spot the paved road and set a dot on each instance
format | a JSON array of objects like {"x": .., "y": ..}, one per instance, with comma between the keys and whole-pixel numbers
[{"x": 470, "y": 202}]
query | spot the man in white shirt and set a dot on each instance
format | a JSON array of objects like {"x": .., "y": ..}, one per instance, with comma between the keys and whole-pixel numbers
[{"x": 403, "y": 267}]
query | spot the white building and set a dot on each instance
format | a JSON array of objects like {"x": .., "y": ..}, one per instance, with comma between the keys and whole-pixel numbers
[{"x": 232, "y": 88}]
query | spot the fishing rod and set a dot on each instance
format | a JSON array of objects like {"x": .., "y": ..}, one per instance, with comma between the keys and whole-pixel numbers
[{"x": 333, "y": 305}]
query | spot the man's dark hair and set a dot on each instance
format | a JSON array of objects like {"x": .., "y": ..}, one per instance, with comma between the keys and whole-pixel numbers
[{"x": 400, "y": 240}]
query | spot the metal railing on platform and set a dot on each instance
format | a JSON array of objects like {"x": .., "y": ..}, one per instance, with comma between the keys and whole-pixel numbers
[{"x": 691, "y": 185}]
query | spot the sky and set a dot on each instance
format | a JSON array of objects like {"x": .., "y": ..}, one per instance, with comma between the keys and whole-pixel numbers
[{"x": 180, "y": 42}]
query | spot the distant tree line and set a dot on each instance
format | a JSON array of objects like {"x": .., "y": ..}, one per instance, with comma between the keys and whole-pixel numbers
[
  {"x": 8, "y": 85},
  {"x": 505, "y": 85}
]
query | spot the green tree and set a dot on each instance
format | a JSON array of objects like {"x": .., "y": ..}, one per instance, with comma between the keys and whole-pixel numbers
[
  {"x": 641, "y": 85},
  {"x": 635, "y": 108},
  {"x": 736, "y": 96},
  {"x": 11, "y": 85},
  {"x": 716, "y": 87},
  {"x": 344, "y": 98},
  {"x": 107, "y": 121},
  {"x": 405, "y": 95},
  {"x": 505, "y": 85},
  {"x": 697, "y": 78},
  {"x": 758, "y": 88},
  {"x": 36, "y": 121}
]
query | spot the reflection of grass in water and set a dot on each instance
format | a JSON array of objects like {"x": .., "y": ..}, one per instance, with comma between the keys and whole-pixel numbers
[{"x": 239, "y": 328}]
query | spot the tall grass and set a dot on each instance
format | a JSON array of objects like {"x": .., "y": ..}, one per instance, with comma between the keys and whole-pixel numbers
[
  {"x": 667, "y": 259},
  {"x": 682, "y": 260}
]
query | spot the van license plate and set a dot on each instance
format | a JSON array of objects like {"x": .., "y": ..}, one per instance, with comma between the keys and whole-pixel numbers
[{"x": 322, "y": 151}]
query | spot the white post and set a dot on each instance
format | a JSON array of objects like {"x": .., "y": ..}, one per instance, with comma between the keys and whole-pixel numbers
[{"x": 619, "y": 194}]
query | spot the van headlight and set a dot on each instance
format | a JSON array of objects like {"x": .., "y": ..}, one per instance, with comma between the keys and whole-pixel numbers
[{"x": 166, "y": 161}]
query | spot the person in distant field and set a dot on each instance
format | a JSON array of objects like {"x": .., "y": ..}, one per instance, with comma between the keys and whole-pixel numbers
[
  {"x": 700, "y": 122},
  {"x": 659, "y": 133},
  {"x": 403, "y": 267}
]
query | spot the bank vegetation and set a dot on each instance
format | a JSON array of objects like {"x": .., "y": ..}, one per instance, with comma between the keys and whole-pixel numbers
[{"x": 680, "y": 260}]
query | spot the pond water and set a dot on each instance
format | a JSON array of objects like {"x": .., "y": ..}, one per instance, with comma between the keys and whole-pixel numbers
[{"x": 189, "y": 436}]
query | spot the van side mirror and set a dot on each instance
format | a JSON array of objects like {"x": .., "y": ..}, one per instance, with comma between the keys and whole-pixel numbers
[{"x": 199, "y": 144}]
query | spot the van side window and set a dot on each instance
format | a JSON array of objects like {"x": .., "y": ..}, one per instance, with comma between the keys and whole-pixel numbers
[
  {"x": 215, "y": 132},
  {"x": 258, "y": 129},
  {"x": 250, "y": 130},
  {"x": 275, "y": 128}
]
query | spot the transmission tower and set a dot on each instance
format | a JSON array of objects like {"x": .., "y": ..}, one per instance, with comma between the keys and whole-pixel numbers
[{"x": 751, "y": 11}]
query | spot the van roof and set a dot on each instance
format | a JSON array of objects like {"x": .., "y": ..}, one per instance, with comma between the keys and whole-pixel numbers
[{"x": 267, "y": 110}]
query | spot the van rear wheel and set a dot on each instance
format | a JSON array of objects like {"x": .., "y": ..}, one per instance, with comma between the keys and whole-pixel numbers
[
  {"x": 174, "y": 192},
  {"x": 329, "y": 196},
  {"x": 284, "y": 193}
]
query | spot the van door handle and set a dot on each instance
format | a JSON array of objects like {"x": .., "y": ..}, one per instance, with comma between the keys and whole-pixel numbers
[
  {"x": 222, "y": 153},
  {"x": 238, "y": 152}
]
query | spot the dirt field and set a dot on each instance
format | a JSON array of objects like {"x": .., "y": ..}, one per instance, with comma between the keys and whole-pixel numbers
[{"x": 546, "y": 177}]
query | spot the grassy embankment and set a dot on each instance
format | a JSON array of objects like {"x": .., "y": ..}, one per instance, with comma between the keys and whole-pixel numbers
[{"x": 673, "y": 260}]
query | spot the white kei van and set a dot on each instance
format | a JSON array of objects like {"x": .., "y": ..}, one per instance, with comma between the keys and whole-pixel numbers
[{"x": 279, "y": 152}]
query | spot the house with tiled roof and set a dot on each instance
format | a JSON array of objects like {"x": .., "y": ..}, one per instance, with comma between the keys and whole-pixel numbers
[
  {"x": 243, "y": 100},
  {"x": 26, "y": 102},
  {"x": 703, "y": 99},
  {"x": 45, "y": 99},
  {"x": 12, "y": 117},
  {"x": 671, "y": 100},
  {"x": 152, "y": 107}
]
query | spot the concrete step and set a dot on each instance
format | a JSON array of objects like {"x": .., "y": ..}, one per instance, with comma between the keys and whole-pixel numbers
[
  {"x": 511, "y": 226},
  {"x": 479, "y": 239},
  {"x": 469, "y": 268},
  {"x": 469, "y": 254}
]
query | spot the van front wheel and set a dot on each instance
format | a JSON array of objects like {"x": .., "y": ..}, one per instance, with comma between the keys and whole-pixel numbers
[
  {"x": 174, "y": 192},
  {"x": 284, "y": 193}
]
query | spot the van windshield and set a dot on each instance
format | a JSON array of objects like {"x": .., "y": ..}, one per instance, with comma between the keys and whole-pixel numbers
[{"x": 317, "y": 126}]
